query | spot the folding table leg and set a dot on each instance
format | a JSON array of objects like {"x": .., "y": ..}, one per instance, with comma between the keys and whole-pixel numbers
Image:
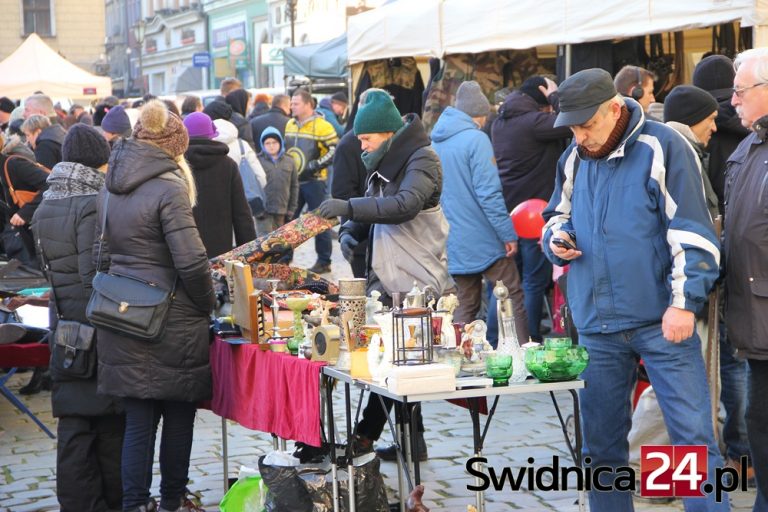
[
  {"x": 224, "y": 453},
  {"x": 7, "y": 393}
]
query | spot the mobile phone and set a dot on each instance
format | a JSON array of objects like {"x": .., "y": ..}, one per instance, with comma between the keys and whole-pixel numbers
[{"x": 565, "y": 244}]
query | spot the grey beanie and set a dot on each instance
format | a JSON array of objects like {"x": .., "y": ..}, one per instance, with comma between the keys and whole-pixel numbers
[{"x": 471, "y": 100}]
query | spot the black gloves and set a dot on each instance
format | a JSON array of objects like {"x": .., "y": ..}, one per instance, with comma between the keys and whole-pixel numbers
[
  {"x": 348, "y": 244},
  {"x": 331, "y": 208}
]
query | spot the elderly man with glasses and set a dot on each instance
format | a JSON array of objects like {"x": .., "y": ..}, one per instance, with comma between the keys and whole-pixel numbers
[{"x": 746, "y": 250}]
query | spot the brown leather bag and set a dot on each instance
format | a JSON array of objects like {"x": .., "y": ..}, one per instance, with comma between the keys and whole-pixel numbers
[{"x": 21, "y": 197}]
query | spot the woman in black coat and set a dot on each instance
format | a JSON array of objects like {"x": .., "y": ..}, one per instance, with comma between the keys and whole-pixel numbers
[
  {"x": 151, "y": 235},
  {"x": 221, "y": 207},
  {"x": 90, "y": 428}
]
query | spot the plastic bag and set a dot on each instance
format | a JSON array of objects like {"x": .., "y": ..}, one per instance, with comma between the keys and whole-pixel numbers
[
  {"x": 246, "y": 495},
  {"x": 309, "y": 487}
]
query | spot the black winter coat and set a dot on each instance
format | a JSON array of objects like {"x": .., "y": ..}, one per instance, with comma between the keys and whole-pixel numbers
[
  {"x": 745, "y": 248},
  {"x": 151, "y": 235},
  {"x": 25, "y": 175},
  {"x": 64, "y": 228},
  {"x": 349, "y": 173},
  {"x": 526, "y": 146},
  {"x": 272, "y": 117},
  {"x": 724, "y": 141},
  {"x": 221, "y": 204},
  {"x": 409, "y": 179},
  {"x": 48, "y": 145}
]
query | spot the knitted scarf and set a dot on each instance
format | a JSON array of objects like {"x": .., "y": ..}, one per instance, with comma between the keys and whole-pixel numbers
[
  {"x": 68, "y": 179},
  {"x": 613, "y": 139}
]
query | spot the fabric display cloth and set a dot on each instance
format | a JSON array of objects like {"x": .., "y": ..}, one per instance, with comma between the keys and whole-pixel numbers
[
  {"x": 267, "y": 391},
  {"x": 263, "y": 253},
  {"x": 492, "y": 70}
]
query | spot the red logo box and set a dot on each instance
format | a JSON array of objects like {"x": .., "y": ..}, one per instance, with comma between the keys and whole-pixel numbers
[{"x": 673, "y": 471}]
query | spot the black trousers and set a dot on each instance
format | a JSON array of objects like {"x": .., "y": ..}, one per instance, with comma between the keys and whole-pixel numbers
[
  {"x": 88, "y": 463},
  {"x": 757, "y": 419},
  {"x": 374, "y": 417}
]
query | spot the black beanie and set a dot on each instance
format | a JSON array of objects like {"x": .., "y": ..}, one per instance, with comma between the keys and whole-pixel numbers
[
  {"x": 84, "y": 145},
  {"x": 531, "y": 88},
  {"x": 715, "y": 75},
  {"x": 218, "y": 110},
  {"x": 688, "y": 105}
]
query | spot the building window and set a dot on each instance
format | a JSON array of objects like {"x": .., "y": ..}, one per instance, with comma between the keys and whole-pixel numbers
[
  {"x": 188, "y": 36},
  {"x": 38, "y": 17}
]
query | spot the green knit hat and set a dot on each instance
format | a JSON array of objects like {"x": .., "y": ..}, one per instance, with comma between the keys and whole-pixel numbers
[{"x": 378, "y": 114}]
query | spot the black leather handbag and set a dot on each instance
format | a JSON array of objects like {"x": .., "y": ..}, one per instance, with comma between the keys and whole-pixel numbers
[
  {"x": 72, "y": 344},
  {"x": 73, "y": 352},
  {"x": 127, "y": 305}
]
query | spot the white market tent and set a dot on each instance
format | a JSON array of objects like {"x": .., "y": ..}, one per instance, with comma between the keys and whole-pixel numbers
[
  {"x": 434, "y": 28},
  {"x": 35, "y": 66}
]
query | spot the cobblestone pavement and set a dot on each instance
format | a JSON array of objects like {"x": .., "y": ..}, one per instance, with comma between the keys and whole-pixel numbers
[{"x": 524, "y": 426}]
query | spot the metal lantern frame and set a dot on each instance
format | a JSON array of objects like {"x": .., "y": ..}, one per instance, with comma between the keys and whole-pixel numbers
[{"x": 421, "y": 321}]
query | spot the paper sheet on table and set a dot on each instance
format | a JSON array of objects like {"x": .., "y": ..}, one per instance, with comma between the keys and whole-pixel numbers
[{"x": 35, "y": 316}]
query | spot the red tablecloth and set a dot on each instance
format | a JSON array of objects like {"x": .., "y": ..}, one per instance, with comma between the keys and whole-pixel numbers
[{"x": 267, "y": 391}]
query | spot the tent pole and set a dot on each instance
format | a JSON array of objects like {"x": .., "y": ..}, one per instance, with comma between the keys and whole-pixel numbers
[{"x": 567, "y": 60}]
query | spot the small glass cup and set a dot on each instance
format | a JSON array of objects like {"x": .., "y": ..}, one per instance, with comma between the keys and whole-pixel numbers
[
  {"x": 499, "y": 368},
  {"x": 437, "y": 329}
]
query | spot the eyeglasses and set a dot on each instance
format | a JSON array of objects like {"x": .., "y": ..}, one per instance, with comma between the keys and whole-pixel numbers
[{"x": 739, "y": 92}]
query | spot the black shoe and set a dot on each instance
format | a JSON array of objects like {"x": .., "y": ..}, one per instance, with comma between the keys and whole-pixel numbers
[
  {"x": 389, "y": 453},
  {"x": 41, "y": 380},
  {"x": 320, "y": 268},
  {"x": 361, "y": 445}
]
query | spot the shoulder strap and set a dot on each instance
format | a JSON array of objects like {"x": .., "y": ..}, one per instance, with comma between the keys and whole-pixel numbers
[
  {"x": 49, "y": 275},
  {"x": 242, "y": 149},
  {"x": 103, "y": 229}
]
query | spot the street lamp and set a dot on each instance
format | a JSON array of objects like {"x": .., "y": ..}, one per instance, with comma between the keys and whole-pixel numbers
[
  {"x": 128, "y": 78},
  {"x": 139, "y": 31},
  {"x": 290, "y": 12}
]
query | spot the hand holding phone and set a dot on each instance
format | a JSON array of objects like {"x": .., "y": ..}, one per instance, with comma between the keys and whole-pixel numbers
[{"x": 563, "y": 243}]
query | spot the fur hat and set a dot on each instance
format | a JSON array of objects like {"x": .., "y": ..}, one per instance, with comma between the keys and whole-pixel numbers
[
  {"x": 689, "y": 105},
  {"x": 161, "y": 127},
  {"x": 85, "y": 145},
  {"x": 378, "y": 114}
]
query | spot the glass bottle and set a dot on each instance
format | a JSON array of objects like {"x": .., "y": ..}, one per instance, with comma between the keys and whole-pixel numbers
[{"x": 508, "y": 342}]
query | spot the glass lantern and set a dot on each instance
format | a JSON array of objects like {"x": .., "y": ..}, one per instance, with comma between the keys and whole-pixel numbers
[{"x": 412, "y": 337}]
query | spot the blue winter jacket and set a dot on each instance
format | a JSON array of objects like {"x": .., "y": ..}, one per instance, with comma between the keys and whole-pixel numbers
[
  {"x": 326, "y": 110},
  {"x": 472, "y": 198},
  {"x": 640, "y": 219}
]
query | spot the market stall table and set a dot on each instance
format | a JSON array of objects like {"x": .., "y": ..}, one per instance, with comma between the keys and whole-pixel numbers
[
  {"x": 474, "y": 396},
  {"x": 266, "y": 391}
]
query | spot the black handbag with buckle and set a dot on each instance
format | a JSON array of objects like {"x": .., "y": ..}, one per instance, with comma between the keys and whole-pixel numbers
[
  {"x": 73, "y": 351},
  {"x": 127, "y": 305}
]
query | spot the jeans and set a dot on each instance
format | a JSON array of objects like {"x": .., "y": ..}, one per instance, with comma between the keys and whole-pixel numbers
[
  {"x": 88, "y": 463},
  {"x": 678, "y": 377},
  {"x": 536, "y": 273},
  {"x": 311, "y": 194},
  {"x": 757, "y": 423},
  {"x": 141, "y": 420},
  {"x": 733, "y": 381}
]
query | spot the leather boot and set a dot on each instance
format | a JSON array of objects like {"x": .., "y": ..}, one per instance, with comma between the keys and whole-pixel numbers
[
  {"x": 41, "y": 380},
  {"x": 390, "y": 452}
]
